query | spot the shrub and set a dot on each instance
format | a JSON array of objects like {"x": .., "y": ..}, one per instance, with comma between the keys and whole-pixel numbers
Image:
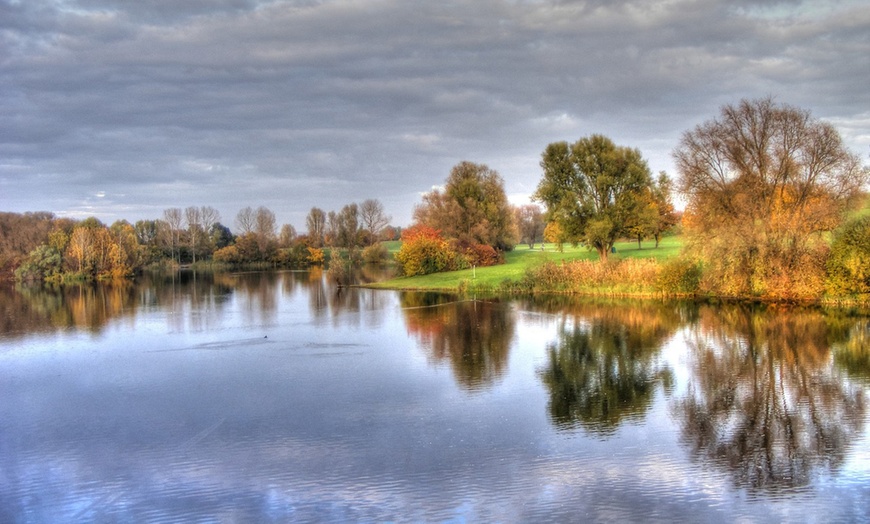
[
  {"x": 424, "y": 251},
  {"x": 482, "y": 255},
  {"x": 375, "y": 254},
  {"x": 315, "y": 256},
  {"x": 679, "y": 276},
  {"x": 848, "y": 267},
  {"x": 42, "y": 263},
  {"x": 227, "y": 255}
]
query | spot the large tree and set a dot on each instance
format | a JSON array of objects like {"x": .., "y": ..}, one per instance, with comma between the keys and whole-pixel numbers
[
  {"x": 593, "y": 189},
  {"x": 761, "y": 181},
  {"x": 473, "y": 208}
]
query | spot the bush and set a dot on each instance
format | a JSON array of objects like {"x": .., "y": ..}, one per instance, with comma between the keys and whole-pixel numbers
[
  {"x": 315, "y": 256},
  {"x": 375, "y": 254},
  {"x": 679, "y": 276},
  {"x": 848, "y": 267},
  {"x": 43, "y": 263},
  {"x": 482, "y": 255},
  {"x": 424, "y": 251}
]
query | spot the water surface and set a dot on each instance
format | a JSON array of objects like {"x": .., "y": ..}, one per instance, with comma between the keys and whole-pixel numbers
[{"x": 272, "y": 397}]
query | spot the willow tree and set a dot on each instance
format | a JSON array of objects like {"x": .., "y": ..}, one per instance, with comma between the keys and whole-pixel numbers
[
  {"x": 762, "y": 181},
  {"x": 593, "y": 189}
]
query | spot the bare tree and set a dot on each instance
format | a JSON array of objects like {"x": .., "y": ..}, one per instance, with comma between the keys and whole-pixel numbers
[
  {"x": 246, "y": 220},
  {"x": 373, "y": 218},
  {"x": 316, "y": 224},
  {"x": 530, "y": 221},
  {"x": 193, "y": 216},
  {"x": 174, "y": 219},
  {"x": 286, "y": 236}
]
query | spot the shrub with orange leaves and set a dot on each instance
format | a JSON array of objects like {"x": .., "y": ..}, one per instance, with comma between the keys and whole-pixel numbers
[{"x": 424, "y": 251}]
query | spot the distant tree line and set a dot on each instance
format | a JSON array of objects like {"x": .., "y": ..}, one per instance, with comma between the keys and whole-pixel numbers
[{"x": 40, "y": 246}]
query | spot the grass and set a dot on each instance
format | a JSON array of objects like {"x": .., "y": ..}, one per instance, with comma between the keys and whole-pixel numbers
[{"x": 522, "y": 258}]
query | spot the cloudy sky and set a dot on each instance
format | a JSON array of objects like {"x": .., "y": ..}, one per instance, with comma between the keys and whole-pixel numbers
[{"x": 123, "y": 108}]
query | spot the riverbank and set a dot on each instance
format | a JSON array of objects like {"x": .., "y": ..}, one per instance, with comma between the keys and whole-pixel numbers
[
  {"x": 632, "y": 272},
  {"x": 519, "y": 261}
]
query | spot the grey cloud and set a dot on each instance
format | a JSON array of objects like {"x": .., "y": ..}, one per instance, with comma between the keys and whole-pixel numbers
[{"x": 384, "y": 96}]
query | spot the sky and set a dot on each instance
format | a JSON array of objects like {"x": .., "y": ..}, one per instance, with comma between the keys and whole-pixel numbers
[{"x": 119, "y": 109}]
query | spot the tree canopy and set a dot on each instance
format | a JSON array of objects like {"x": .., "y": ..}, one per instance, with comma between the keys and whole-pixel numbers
[
  {"x": 761, "y": 181},
  {"x": 593, "y": 189},
  {"x": 472, "y": 209}
]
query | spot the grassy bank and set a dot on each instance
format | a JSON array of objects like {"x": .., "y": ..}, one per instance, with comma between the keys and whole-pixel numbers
[{"x": 521, "y": 259}]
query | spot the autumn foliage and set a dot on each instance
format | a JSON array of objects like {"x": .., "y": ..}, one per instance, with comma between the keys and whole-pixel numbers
[{"x": 424, "y": 251}]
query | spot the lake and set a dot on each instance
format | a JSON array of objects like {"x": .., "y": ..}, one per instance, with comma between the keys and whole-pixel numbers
[{"x": 274, "y": 397}]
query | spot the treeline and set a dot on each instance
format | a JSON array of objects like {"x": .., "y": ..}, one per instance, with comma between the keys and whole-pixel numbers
[
  {"x": 40, "y": 246},
  {"x": 769, "y": 193}
]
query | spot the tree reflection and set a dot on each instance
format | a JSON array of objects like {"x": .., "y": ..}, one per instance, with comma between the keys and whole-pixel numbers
[
  {"x": 603, "y": 369},
  {"x": 852, "y": 354},
  {"x": 764, "y": 403},
  {"x": 44, "y": 308},
  {"x": 474, "y": 336}
]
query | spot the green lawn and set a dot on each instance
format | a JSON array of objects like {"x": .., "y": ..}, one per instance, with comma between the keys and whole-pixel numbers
[{"x": 522, "y": 257}]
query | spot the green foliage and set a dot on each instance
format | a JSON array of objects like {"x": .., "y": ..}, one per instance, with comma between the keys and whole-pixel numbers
[
  {"x": 593, "y": 189},
  {"x": 43, "y": 263},
  {"x": 849, "y": 262}
]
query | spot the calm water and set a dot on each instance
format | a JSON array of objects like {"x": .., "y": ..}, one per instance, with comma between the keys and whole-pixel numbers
[{"x": 273, "y": 397}]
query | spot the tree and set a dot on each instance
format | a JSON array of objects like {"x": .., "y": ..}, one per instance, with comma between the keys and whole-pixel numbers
[
  {"x": 193, "y": 216},
  {"x": 849, "y": 264},
  {"x": 373, "y": 218},
  {"x": 287, "y": 235},
  {"x": 330, "y": 233},
  {"x": 530, "y": 222},
  {"x": 762, "y": 181},
  {"x": 663, "y": 201},
  {"x": 472, "y": 209},
  {"x": 316, "y": 224},
  {"x": 347, "y": 227},
  {"x": 220, "y": 236},
  {"x": 644, "y": 222},
  {"x": 264, "y": 229},
  {"x": 593, "y": 189},
  {"x": 173, "y": 219},
  {"x": 246, "y": 220}
]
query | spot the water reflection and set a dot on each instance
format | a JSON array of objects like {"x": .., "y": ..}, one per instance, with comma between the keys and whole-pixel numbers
[
  {"x": 195, "y": 301},
  {"x": 763, "y": 403},
  {"x": 474, "y": 336},
  {"x": 852, "y": 353},
  {"x": 603, "y": 370},
  {"x": 41, "y": 309}
]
